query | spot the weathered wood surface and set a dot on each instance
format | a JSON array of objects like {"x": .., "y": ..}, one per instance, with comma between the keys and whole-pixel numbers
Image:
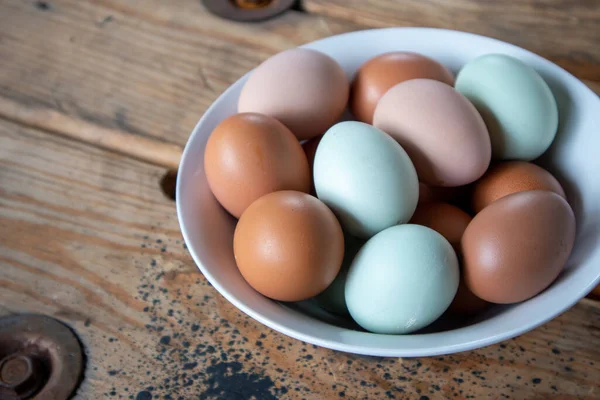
[
  {"x": 87, "y": 237},
  {"x": 566, "y": 32}
]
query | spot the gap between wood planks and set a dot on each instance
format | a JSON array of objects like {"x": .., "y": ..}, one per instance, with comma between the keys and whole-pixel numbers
[
  {"x": 51, "y": 121},
  {"x": 145, "y": 149}
]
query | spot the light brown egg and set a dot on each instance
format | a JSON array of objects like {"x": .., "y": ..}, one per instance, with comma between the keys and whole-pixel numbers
[
  {"x": 447, "y": 220},
  {"x": 451, "y": 222},
  {"x": 510, "y": 177},
  {"x": 517, "y": 246},
  {"x": 442, "y": 132},
  {"x": 288, "y": 246},
  {"x": 379, "y": 74},
  {"x": 249, "y": 155},
  {"x": 304, "y": 89}
]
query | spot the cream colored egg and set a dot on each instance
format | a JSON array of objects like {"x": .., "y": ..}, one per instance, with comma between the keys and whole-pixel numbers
[
  {"x": 305, "y": 89},
  {"x": 439, "y": 128}
]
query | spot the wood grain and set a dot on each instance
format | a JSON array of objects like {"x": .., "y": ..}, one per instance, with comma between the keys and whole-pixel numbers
[
  {"x": 566, "y": 32},
  {"x": 139, "y": 147},
  {"x": 87, "y": 237}
]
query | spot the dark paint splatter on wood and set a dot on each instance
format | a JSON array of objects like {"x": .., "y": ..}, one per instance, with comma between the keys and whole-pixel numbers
[
  {"x": 165, "y": 340},
  {"x": 213, "y": 359},
  {"x": 190, "y": 365},
  {"x": 226, "y": 380},
  {"x": 42, "y": 5},
  {"x": 144, "y": 395},
  {"x": 105, "y": 21}
]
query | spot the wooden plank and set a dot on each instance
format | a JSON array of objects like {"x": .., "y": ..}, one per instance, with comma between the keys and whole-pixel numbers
[
  {"x": 87, "y": 237},
  {"x": 149, "y": 69},
  {"x": 566, "y": 32}
]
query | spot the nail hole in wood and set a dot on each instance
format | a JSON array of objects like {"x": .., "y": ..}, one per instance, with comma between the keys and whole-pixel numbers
[
  {"x": 168, "y": 183},
  {"x": 298, "y": 6}
]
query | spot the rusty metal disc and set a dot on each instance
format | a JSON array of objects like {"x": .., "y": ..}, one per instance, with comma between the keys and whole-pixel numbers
[
  {"x": 39, "y": 358},
  {"x": 248, "y": 10}
]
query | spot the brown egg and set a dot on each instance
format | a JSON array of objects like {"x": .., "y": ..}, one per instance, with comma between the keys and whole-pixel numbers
[
  {"x": 380, "y": 73},
  {"x": 450, "y": 222},
  {"x": 447, "y": 220},
  {"x": 249, "y": 155},
  {"x": 288, "y": 246},
  {"x": 511, "y": 177},
  {"x": 515, "y": 247}
]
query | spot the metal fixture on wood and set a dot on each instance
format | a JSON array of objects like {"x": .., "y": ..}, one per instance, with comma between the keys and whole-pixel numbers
[
  {"x": 39, "y": 358},
  {"x": 248, "y": 10}
]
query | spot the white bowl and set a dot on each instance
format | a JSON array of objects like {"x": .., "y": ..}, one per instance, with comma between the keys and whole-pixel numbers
[{"x": 574, "y": 158}]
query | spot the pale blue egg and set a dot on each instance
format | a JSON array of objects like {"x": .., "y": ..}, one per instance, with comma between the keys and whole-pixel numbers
[
  {"x": 516, "y": 104},
  {"x": 402, "y": 280},
  {"x": 365, "y": 177}
]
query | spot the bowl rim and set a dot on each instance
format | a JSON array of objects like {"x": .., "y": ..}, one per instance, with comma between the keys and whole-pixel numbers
[{"x": 424, "y": 351}]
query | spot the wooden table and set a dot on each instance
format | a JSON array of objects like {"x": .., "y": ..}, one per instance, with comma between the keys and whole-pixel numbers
[{"x": 88, "y": 236}]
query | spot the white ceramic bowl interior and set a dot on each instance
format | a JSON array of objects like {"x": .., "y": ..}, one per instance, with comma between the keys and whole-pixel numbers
[{"x": 574, "y": 158}]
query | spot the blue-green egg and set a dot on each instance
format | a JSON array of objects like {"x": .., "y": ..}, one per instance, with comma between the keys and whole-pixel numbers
[
  {"x": 515, "y": 102},
  {"x": 365, "y": 177},
  {"x": 402, "y": 280}
]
